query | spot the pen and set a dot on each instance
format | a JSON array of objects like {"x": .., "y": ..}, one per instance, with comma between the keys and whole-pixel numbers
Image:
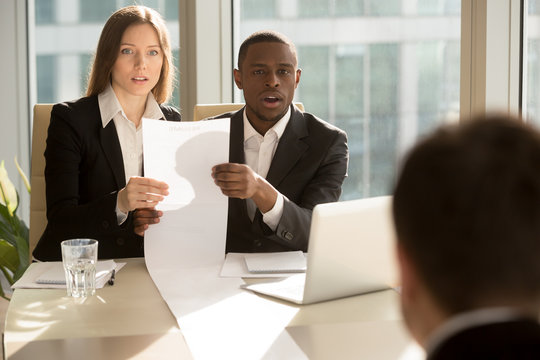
[{"x": 111, "y": 280}]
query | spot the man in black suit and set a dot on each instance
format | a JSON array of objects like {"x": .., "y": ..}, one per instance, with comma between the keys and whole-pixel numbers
[
  {"x": 283, "y": 161},
  {"x": 467, "y": 215}
]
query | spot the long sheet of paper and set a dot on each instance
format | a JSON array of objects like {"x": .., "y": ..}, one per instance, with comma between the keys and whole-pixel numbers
[
  {"x": 184, "y": 253},
  {"x": 192, "y": 230}
]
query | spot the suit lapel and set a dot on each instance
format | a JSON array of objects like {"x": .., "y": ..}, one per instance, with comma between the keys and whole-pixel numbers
[
  {"x": 113, "y": 152},
  {"x": 236, "y": 144},
  {"x": 290, "y": 148},
  {"x": 236, "y": 155}
]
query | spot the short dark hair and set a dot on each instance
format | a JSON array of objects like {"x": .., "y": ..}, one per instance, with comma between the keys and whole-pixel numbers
[
  {"x": 263, "y": 36},
  {"x": 467, "y": 213},
  {"x": 109, "y": 45}
]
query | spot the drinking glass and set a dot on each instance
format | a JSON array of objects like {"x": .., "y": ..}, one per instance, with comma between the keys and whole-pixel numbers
[{"x": 79, "y": 257}]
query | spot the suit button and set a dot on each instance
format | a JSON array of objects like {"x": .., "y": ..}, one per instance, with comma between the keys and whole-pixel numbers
[
  {"x": 105, "y": 224},
  {"x": 120, "y": 241},
  {"x": 258, "y": 243},
  {"x": 287, "y": 235}
]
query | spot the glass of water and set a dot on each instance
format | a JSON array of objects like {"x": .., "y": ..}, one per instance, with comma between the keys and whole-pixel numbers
[{"x": 79, "y": 257}]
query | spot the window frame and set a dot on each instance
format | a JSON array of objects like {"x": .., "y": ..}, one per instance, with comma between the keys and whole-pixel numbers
[{"x": 491, "y": 54}]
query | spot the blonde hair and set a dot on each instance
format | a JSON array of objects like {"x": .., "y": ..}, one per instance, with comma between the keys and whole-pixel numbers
[{"x": 109, "y": 46}]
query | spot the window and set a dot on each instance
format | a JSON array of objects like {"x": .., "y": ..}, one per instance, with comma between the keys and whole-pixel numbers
[
  {"x": 45, "y": 12},
  {"x": 66, "y": 37},
  {"x": 90, "y": 13},
  {"x": 533, "y": 62},
  {"x": 46, "y": 65},
  {"x": 384, "y": 71}
]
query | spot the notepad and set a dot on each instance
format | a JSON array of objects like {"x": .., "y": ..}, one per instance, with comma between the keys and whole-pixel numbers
[
  {"x": 277, "y": 262},
  {"x": 55, "y": 274}
]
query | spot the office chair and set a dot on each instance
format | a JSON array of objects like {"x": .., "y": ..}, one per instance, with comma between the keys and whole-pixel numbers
[
  {"x": 203, "y": 111},
  {"x": 38, "y": 207}
]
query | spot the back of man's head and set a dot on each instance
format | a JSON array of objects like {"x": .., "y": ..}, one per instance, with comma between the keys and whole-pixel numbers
[
  {"x": 263, "y": 36},
  {"x": 467, "y": 214}
]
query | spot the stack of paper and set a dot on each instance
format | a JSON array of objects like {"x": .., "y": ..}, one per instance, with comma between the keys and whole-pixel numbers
[
  {"x": 280, "y": 262},
  {"x": 51, "y": 275}
]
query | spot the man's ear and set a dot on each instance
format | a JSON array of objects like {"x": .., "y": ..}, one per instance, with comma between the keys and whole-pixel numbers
[
  {"x": 238, "y": 78},
  {"x": 297, "y": 80},
  {"x": 420, "y": 311},
  {"x": 407, "y": 273}
]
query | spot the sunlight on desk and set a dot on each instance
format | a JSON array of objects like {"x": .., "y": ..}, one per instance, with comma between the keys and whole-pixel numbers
[
  {"x": 130, "y": 320},
  {"x": 241, "y": 314}
]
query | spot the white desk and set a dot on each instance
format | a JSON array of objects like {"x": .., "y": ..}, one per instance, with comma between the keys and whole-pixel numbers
[{"x": 131, "y": 320}]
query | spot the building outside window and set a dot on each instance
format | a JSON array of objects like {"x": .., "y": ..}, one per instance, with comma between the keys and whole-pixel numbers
[
  {"x": 66, "y": 36},
  {"x": 386, "y": 72},
  {"x": 532, "y": 80}
]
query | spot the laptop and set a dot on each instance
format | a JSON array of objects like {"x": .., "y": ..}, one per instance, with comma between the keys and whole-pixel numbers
[{"x": 350, "y": 252}]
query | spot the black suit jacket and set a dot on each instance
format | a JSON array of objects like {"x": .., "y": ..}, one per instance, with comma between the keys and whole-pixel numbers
[
  {"x": 308, "y": 168},
  {"x": 510, "y": 340},
  {"x": 83, "y": 173}
]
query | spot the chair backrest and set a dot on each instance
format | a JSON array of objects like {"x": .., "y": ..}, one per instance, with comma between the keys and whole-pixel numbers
[
  {"x": 38, "y": 207},
  {"x": 203, "y": 111}
]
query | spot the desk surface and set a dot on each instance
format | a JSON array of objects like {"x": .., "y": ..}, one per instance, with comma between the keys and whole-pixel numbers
[{"x": 131, "y": 320}]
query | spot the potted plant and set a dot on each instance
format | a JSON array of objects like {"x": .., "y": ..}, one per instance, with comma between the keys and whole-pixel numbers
[{"x": 14, "y": 257}]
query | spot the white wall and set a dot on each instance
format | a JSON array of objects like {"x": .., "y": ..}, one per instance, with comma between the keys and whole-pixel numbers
[{"x": 14, "y": 99}]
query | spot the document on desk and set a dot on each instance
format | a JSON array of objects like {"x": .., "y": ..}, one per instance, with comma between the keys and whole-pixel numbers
[
  {"x": 235, "y": 264},
  {"x": 184, "y": 252},
  {"x": 50, "y": 275}
]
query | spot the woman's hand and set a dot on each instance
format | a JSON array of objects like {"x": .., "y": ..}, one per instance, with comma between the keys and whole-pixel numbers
[
  {"x": 142, "y": 218},
  {"x": 141, "y": 192}
]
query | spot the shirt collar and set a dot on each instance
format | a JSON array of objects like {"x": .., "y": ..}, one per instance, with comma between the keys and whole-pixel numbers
[
  {"x": 109, "y": 106},
  {"x": 278, "y": 128}
]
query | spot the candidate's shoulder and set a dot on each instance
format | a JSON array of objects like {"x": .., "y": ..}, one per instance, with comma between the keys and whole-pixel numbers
[{"x": 170, "y": 112}]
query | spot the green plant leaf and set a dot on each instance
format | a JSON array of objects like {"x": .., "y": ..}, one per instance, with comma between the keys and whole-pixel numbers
[
  {"x": 22, "y": 253},
  {"x": 23, "y": 175},
  {"x": 22, "y": 229},
  {"x": 14, "y": 259},
  {"x": 8, "y": 229},
  {"x": 2, "y": 290},
  {"x": 8, "y": 193},
  {"x": 9, "y": 257}
]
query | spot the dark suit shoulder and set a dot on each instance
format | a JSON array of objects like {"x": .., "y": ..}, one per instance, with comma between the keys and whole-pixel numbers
[
  {"x": 78, "y": 113},
  {"x": 81, "y": 104},
  {"x": 320, "y": 126},
  {"x": 170, "y": 112}
]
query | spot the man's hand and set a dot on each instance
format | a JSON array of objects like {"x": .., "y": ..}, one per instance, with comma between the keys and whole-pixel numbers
[
  {"x": 141, "y": 192},
  {"x": 240, "y": 181},
  {"x": 142, "y": 218},
  {"x": 236, "y": 180}
]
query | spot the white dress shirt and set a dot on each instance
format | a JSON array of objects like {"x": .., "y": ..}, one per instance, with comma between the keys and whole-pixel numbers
[
  {"x": 259, "y": 151},
  {"x": 130, "y": 137}
]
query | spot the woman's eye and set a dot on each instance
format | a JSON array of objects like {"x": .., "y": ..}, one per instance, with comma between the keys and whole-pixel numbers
[
  {"x": 126, "y": 51},
  {"x": 153, "y": 52}
]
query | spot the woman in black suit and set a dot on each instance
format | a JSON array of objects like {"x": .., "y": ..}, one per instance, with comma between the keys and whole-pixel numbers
[{"x": 93, "y": 171}]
